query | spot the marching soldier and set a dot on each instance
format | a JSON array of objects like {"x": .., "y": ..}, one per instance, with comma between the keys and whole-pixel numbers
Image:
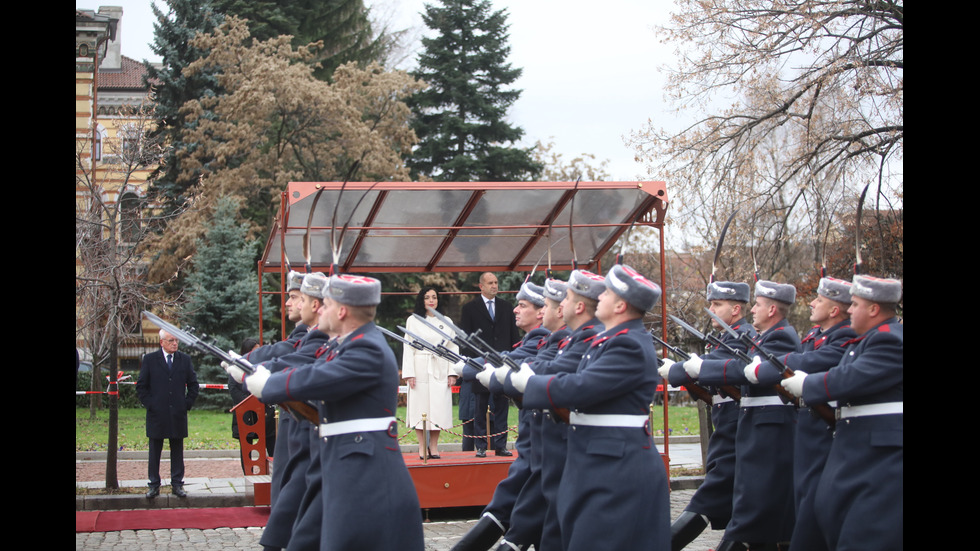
[
  {"x": 762, "y": 499},
  {"x": 527, "y": 513},
  {"x": 712, "y": 502},
  {"x": 859, "y": 498},
  {"x": 495, "y": 520},
  {"x": 356, "y": 386},
  {"x": 551, "y": 441},
  {"x": 294, "y": 461},
  {"x": 822, "y": 348},
  {"x": 614, "y": 486}
]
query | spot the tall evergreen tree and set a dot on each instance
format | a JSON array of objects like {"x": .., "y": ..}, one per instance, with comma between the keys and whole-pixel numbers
[
  {"x": 342, "y": 25},
  {"x": 459, "y": 119},
  {"x": 222, "y": 288},
  {"x": 173, "y": 31}
]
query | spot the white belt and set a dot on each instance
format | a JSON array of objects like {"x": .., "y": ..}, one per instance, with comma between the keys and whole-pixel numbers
[
  {"x": 719, "y": 399},
  {"x": 355, "y": 425},
  {"x": 758, "y": 401},
  {"x": 607, "y": 420},
  {"x": 887, "y": 408}
]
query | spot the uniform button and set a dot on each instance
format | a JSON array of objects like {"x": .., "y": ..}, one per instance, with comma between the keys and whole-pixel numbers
[{"x": 358, "y": 438}]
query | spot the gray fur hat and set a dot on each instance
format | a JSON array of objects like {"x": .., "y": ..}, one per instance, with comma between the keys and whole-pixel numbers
[
  {"x": 633, "y": 287},
  {"x": 782, "y": 292},
  {"x": 294, "y": 281},
  {"x": 555, "y": 289},
  {"x": 531, "y": 293},
  {"x": 354, "y": 290},
  {"x": 876, "y": 289},
  {"x": 586, "y": 284},
  {"x": 314, "y": 284},
  {"x": 728, "y": 290},
  {"x": 835, "y": 289}
]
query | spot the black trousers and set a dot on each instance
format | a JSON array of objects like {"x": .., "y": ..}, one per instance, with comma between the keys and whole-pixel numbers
[
  {"x": 176, "y": 461},
  {"x": 499, "y": 404}
]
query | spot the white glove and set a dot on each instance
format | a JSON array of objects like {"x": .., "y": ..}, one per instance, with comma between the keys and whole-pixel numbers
[
  {"x": 501, "y": 373},
  {"x": 750, "y": 370},
  {"x": 484, "y": 376},
  {"x": 693, "y": 366},
  {"x": 234, "y": 370},
  {"x": 664, "y": 369},
  {"x": 457, "y": 367},
  {"x": 255, "y": 382},
  {"x": 795, "y": 383},
  {"x": 519, "y": 379}
]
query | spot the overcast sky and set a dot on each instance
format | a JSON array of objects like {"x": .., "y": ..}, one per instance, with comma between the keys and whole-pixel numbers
[{"x": 590, "y": 69}]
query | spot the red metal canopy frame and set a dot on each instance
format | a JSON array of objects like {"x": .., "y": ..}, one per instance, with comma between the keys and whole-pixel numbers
[{"x": 456, "y": 226}]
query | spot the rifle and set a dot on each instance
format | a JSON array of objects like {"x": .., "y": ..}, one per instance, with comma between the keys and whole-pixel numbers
[
  {"x": 421, "y": 344},
  {"x": 296, "y": 409},
  {"x": 480, "y": 347},
  {"x": 823, "y": 410},
  {"x": 471, "y": 341},
  {"x": 728, "y": 390},
  {"x": 695, "y": 389}
]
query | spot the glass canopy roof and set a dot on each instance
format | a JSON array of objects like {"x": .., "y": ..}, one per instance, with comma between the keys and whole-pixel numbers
[{"x": 456, "y": 226}]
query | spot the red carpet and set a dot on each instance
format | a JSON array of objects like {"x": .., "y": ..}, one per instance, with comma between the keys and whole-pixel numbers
[{"x": 162, "y": 519}]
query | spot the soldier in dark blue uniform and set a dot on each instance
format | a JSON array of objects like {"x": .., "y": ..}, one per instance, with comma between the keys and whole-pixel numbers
[
  {"x": 495, "y": 519},
  {"x": 290, "y": 469},
  {"x": 822, "y": 348},
  {"x": 762, "y": 502},
  {"x": 527, "y": 513},
  {"x": 355, "y": 385},
  {"x": 614, "y": 486},
  {"x": 550, "y": 443},
  {"x": 712, "y": 502},
  {"x": 859, "y": 499}
]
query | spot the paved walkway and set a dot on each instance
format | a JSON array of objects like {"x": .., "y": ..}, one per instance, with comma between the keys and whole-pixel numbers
[
  {"x": 439, "y": 535},
  {"x": 444, "y": 529}
]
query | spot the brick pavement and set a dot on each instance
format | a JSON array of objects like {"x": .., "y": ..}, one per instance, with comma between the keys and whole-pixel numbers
[{"x": 439, "y": 535}]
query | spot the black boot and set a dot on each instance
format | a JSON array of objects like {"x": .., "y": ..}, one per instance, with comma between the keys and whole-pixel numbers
[
  {"x": 508, "y": 546},
  {"x": 685, "y": 529},
  {"x": 482, "y": 536},
  {"x": 729, "y": 545}
]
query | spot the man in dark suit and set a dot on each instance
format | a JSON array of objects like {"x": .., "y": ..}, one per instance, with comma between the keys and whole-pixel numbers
[
  {"x": 494, "y": 317},
  {"x": 167, "y": 387}
]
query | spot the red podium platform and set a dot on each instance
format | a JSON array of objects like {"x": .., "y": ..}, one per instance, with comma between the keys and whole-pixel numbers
[{"x": 457, "y": 479}]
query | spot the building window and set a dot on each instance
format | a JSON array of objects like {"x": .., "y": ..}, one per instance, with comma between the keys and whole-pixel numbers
[
  {"x": 100, "y": 135},
  {"x": 129, "y": 217}
]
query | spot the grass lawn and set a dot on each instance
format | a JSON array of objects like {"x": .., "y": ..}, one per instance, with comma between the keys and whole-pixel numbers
[{"x": 211, "y": 430}]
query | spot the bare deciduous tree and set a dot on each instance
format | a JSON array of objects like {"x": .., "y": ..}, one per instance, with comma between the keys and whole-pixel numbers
[
  {"x": 110, "y": 226},
  {"x": 816, "y": 90}
]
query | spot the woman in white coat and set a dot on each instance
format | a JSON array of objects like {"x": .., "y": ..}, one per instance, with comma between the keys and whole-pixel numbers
[{"x": 428, "y": 376}]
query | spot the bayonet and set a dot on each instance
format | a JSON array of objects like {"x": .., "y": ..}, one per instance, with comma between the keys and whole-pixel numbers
[
  {"x": 721, "y": 242},
  {"x": 857, "y": 231}
]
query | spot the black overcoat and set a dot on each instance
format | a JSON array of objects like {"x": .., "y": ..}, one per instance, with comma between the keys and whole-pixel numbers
[{"x": 166, "y": 394}]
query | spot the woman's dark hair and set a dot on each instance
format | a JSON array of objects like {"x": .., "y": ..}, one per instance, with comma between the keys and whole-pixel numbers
[
  {"x": 420, "y": 301},
  {"x": 247, "y": 345}
]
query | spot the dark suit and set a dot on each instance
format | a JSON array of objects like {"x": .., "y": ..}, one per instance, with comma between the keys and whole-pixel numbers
[
  {"x": 167, "y": 394},
  {"x": 502, "y": 334}
]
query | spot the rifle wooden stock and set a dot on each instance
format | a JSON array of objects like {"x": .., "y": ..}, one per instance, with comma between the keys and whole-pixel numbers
[{"x": 302, "y": 410}]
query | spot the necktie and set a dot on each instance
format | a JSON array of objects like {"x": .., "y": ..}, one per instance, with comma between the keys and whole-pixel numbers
[
  {"x": 170, "y": 361},
  {"x": 490, "y": 308}
]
